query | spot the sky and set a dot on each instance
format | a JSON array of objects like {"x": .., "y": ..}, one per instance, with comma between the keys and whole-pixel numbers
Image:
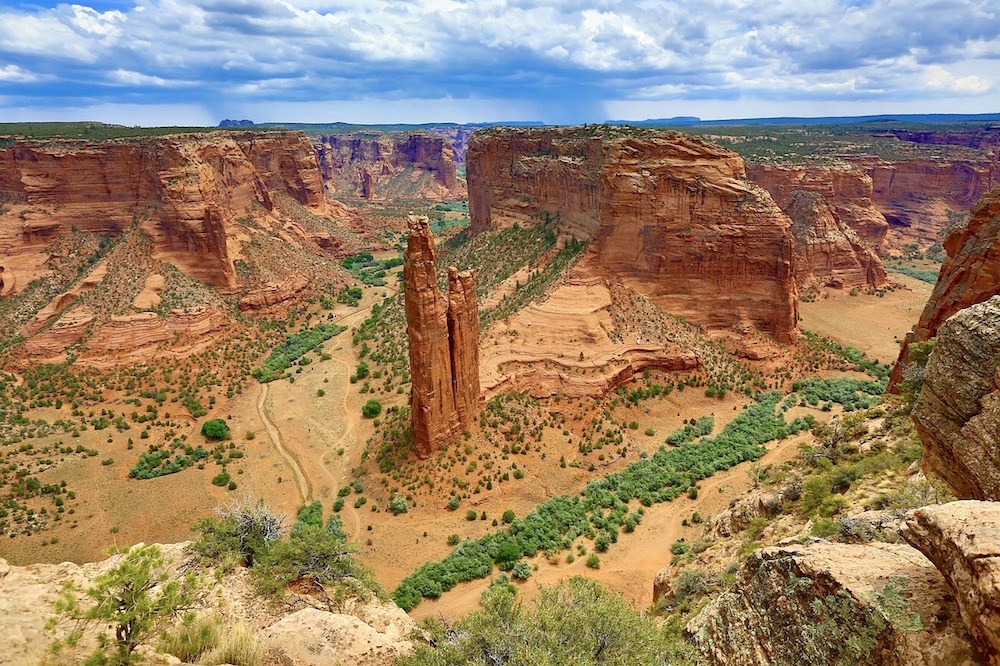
[{"x": 195, "y": 62}]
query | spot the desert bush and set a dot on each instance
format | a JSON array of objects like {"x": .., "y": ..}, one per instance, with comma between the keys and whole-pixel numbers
[{"x": 215, "y": 429}]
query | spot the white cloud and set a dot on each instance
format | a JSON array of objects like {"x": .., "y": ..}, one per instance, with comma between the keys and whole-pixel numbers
[{"x": 936, "y": 77}]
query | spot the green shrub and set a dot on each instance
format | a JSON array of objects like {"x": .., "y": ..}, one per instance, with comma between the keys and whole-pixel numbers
[
  {"x": 215, "y": 429},
  {"x": 371, "y": 409},
  {"x": 593, "y": 561}
]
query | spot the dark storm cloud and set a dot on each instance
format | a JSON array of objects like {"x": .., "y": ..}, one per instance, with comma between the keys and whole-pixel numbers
[{"x": 562, "y": 59}]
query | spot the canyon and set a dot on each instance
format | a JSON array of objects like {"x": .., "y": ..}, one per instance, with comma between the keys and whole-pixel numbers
[
  {"x": 443, "y": 338},
  {"x": 182, "y": 221},
  {"x": 389, "y": 166},
  {"x": 672, "y": 215}
]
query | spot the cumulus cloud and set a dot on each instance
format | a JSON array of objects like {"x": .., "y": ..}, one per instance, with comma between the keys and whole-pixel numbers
[{"x": 563, "y": 59}]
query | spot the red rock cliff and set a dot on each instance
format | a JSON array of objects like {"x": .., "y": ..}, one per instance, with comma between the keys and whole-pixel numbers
[
  {"x": 186, "y": 192},
  {"x": 389, "y": 166},
  {"x": 672, "y": 214},
  {"x": 830, "y": 210},
  {"x": 922, "y": 197},
  {"x": 970, "y": 274},
  {"x": 444, "y": 345}
]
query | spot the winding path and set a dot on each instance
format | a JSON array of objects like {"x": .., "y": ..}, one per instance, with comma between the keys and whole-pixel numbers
[{"x": 305, "y": 489}]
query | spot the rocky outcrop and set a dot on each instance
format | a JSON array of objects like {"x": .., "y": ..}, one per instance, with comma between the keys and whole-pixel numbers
[
  {"x": 389, "y": 166},
  {"x": 577, "y": 314},
  {"x": 274, "y": 293},
  {"x": 444, "y": 345},
  {"x": 848, "y": 192},
  {"x": 463, "y": 340},
  {"x": 958, "y": 411},
  {"x": 360, "y": 632},
  {"x": 312, "y": 637},
  {"x": 186, "y": 192},
  {"x": 673, "y": 215},
  {"x": 970, "y": 274},
  {"x": 962, "y": 539},
  {"x": 830, "y": 209},
  {"x": 921, "y": 197},
  {"x": 829, "y": 603}
]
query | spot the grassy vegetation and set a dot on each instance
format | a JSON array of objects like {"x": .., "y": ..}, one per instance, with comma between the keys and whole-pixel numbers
[
  {"x": 928, "y": 276},
  {"x": 293, "y": 349},
  {"x": 370, "y": 270}
]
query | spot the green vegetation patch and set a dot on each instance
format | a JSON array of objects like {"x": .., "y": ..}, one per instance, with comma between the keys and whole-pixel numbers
[
  {"x": 928, "y": 276},
  {"x": 292, "y": 349},
  {"x": 601, "y": 508},
  {"x": 370, "y": 270}
]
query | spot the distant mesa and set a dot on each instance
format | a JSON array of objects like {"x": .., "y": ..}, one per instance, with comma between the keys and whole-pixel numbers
[{"x": 236, "y": 123}]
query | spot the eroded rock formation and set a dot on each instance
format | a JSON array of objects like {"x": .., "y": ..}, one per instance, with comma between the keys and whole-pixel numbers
[
  {"x": 962, "y": 539},
  {"x": 970, "y": 274},
  {"x": 831, "y": 209},
  {"x": 389, "y": 166},
  {"x": 673, "y": 215},
  {"x": 444, "y": 345},
  {"x": 922, "y": 197},
  {"x": 186, "y": 192},
  {"x": 958, "y": 411},
  {"x": 823, "y": 603}
]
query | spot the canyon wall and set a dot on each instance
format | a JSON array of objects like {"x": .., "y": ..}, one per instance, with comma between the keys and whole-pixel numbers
[
  {"x": 673, "y": 215},
  {"x": 444, "y": 345},
  {"x": 970, "y": 274},
  {"x": 377, "y": 167},
  {"x": 834, "y": 222},
  {"x": 185, "y": 192},
  {"x": 922, "y": 198}
]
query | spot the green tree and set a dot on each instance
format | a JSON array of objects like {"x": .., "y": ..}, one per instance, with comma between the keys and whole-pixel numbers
[
  {"x": 371, "y": 409},
  {"x": 134, "y": 597},
  {"x": 215, "y": 429}
]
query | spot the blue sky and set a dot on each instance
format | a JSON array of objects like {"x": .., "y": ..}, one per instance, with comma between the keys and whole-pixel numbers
[{"x": 198, "y": 61}]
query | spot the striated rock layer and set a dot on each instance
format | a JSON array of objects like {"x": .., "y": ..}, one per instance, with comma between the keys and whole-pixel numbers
[
  {"x": 831, "y": 210},
  {"x": 962, "y": 539},
  {"x": 673, "y": 215},
  {"x": 970, "y": 274},
  {"x": 818, "y": 603},
  {"x": 389, "y": 166},
  {"x": 186, "y": 192},
  {"x": 444, "y": 345},
  {"x": 921, "y": 197},
  {"x": 958, "y": 411}
]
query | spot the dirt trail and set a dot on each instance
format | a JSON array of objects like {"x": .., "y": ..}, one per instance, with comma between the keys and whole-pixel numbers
[{"x": 305, "y": 489}]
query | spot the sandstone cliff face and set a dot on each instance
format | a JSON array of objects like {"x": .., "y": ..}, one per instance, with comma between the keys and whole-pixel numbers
[
  {"x": 389, "y": 166},
  {"x": 970, "y": 274},
  {"x": 849, "y": 192},
  {"x": 818, "y": 603},
  {"x": 186, "y": 192},
  {"x": 921, "y": 197},
  {"x": 671, "y": 214},
  {"x": 830, "y": 209},
  {"x": 962, "y": 539},
  {"x": 444, "y": 345},
  {"x": 958, "y": 411}
]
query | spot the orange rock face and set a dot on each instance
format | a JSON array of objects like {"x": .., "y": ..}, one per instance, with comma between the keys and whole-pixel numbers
[
  {"x": 379, "y": 167},
  {"x": 672, "y": 215},
  {"x": 970, "y": 274},
  {"x": 444, "y": 345},
  {"x": 186, "y": 192},
  {"x": 921, "y": 198},
  {"x": 830, "y": 210}
]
